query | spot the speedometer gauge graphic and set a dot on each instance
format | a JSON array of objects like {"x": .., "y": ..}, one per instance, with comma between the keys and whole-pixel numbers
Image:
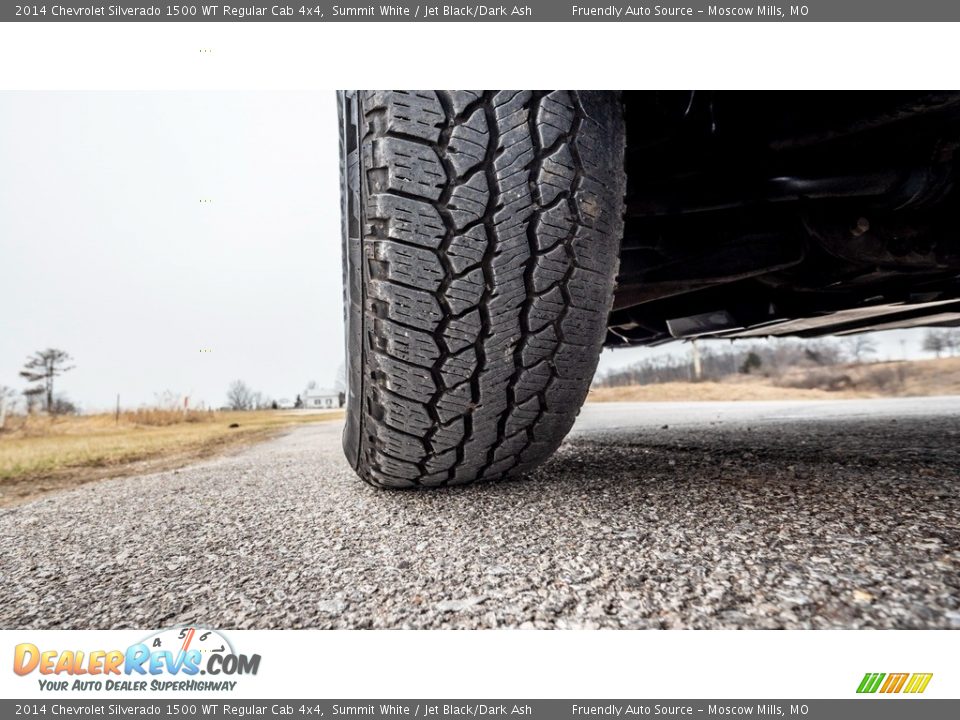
[{"x": 183, "y": 639}]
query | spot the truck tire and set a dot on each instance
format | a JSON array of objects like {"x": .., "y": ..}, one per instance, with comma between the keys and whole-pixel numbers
[{"x": 481, "y": 234}]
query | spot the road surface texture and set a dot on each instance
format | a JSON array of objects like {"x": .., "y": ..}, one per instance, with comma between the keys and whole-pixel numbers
[{"x": 838, "y": 514}]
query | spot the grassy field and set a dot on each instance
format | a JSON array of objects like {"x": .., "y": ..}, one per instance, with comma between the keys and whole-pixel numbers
[
  {"x": 40, "y": 454},
  {"x": 748, "y": 389},
  {"x": 881, "y": 379}
]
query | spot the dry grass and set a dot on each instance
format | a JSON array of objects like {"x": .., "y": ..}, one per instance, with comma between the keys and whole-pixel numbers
[
  {"x": 888, "y": 379},
  {"x": 882, "y": 379},
  {"x": 40, "y": 454},
  {"x": 752, "y": 389}
]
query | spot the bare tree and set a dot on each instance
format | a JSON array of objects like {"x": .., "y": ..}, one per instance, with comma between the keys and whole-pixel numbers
[
  {"x": 42, "y": 367},
  {"x": 951, "y": 340},
  {"x": 239, "y": 396},
  {"x": 861, "y": 347},
  {"x": 257, "y": 400},
  {"x": 168, "y": 400},
  {"x": 935, "y": 341}
]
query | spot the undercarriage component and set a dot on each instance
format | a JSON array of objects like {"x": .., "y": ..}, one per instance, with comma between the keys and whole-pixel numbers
[{"x": 760, "y": 213}]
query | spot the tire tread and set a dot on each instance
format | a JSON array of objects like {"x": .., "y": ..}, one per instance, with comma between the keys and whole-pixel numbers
[{"x": 490, "y": 251}]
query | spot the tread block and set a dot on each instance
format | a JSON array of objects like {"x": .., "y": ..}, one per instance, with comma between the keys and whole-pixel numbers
[
  {"x": 454, "y": 403},
  {"x": 554, "y": 225},
  {"x": 415, "y": 222},
  {"x": 448, "y": 436},
  {"x": 399, "y": 444},
  {"x": 590, "y": 207},
  {"x": 532, "y": 381},
  {"x": 409, "y": 381},
  {"x": 509, "y": 448},
  {"x": 551, "y": 268},
  {"x": 539, "y": 345},
  {"x": 390, "y": 472},
  {"x": 416, "y": 308},
  {"x": 407, "y": 166},
  {"x": 468, "y": 202},
  {"x": 462, "y": 331},
  {"x": 460, "y": 367},
  {"x": 410, "y": 265},
  {"x": 522, "y": 415},
  {"x": 404, "y": 414},
  {"x": 556, "y": 174},
  {"x": 587, "y": 288},
  {"x": 405, "y": 343},
  {"x": 413, "y": 112},
  {"x": 440, "y": 462},
  {"x": 590, "y": 254},
  {"x": 545, "y": 309},
  {"x": 460, "y": 100},
  {"x": 467, "y": 249},
  {"x": 467, "y": 147},
  {"x": 555, "y": 117},
  {"x": 508, "y": 102},
  {"x": 465, "y": 292}
]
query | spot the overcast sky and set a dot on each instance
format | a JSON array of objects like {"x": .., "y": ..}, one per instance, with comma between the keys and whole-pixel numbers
[{"x": 107, "y": 251}]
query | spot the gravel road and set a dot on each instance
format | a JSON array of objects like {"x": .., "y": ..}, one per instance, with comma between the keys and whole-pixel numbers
[{"x": 842, "y": 514}]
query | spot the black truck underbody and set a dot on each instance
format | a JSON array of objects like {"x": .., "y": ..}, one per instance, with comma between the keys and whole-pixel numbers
[{"x": 788, "y": 213}]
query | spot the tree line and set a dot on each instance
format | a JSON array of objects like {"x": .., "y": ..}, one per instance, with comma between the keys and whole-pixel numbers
[
  {"x": 711, "y": 361},
  {"x": 942, "y": 341},
  {"x": 40, "y": 370}
]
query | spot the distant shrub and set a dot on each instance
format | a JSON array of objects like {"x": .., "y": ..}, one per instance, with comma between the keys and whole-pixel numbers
[
  {"x": 884, "y": 378},
  {"x": 752, "y": 362},
  {"x": 829, "y": 380}
]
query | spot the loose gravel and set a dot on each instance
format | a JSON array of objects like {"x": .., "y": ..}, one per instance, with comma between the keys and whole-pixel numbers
[{"x": 776, "y": 517}]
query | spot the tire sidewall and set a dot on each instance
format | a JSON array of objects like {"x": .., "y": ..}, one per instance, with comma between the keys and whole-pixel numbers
[{"x": 353, "y": 282}]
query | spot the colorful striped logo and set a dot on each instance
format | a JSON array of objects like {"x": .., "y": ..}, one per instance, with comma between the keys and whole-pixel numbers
[{"x": 894, "y": 682}]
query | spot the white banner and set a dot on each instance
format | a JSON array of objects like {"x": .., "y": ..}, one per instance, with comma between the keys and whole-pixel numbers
[{"x": 517, "y": 664}]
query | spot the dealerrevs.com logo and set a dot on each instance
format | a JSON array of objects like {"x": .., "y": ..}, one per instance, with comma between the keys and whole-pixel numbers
[
  {"x": 888, "y": 683},
  {"x": 169, "y": 660}
]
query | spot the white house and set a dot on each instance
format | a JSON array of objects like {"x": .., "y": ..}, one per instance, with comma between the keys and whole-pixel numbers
[{"x": 316, "y": 398}]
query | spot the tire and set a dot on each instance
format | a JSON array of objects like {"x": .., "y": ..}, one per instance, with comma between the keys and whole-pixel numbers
[{"x": 481, "y": 235}]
